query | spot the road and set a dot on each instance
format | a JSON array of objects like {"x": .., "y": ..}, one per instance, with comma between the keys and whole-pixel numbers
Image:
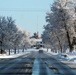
[{"x": 34, "y": 64}]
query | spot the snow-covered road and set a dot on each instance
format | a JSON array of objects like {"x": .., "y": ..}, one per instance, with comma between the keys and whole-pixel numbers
[{"x": 34, "y": 64}]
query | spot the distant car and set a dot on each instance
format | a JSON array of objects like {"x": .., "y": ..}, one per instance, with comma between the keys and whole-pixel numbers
[
  {"x": 40, "y": 51},
  {"x": 34, "y": 46},
  {"x": 39, "y": 46}
]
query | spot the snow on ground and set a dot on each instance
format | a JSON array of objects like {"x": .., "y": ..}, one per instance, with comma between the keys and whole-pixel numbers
[
  {"x": 14, "y": 55},
  {"x": 69, "y": 56},
  {"x": 18, "y": 53},
  {"x": 59, "y": 56}
]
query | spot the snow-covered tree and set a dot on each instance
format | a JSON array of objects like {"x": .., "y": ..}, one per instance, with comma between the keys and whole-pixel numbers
[
  {"x": 26, "y": 40},
  {"x": 17, "y": 40},
  {"x": 61, "y": 22},
  {"x": 7, "y": 32},
  {"x": 11, "y": 37}
]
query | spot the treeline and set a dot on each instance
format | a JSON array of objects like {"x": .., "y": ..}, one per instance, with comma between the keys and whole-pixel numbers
[
  {"x": 11, "y": 37},
  {"x": 60, "y": 31}
]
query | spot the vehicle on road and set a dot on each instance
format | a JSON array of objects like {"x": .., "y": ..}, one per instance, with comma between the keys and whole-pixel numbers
[{"x": 40, "y": 51}]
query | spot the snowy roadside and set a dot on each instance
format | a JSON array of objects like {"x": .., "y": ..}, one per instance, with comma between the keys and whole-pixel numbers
[
  {"x": 16, "y": 55},
  {"x": 64, "y": 57},
  {"x": 68, "y": 59}
]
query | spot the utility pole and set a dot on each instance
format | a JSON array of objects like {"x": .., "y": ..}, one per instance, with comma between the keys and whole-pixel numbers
[{"x": 37, "y": 24}]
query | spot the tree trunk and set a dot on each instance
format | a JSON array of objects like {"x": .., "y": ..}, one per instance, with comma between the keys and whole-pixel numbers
[
  {"x": 67, "y": 34},
  {"x": 60, "y": 44},
  {"x": 1, "y": 51},
  {"x": 1, "y": 46},
  {"x": 15, "y": 51},
  {"x": 68, "y": 38},
  {"x": 9, "y": 51},
  {"x": 70, "y": 45}
]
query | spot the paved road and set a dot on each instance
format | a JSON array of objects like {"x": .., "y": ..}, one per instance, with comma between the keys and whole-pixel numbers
[{"x": 34, "y": 64}]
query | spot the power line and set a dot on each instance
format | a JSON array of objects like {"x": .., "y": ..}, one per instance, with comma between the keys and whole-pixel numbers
[{"x": 24, "y": 10}]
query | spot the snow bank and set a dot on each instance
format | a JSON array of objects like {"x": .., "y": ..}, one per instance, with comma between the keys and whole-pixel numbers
[
  {"x": 69, "y": 56},
  {"x": 66, "y": 56},
  {"x": 72, "y": 56},
  {"x": 12, "y": 55}
]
